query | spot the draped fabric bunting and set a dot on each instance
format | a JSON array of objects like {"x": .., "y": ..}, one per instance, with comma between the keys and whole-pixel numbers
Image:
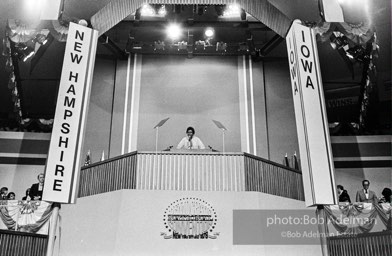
[
  {"x": 358, "y": 217},
  {"x": 26, "y": 216},
  {"x": 385, "y": 213},
  {"x": 359, "y": 34}
]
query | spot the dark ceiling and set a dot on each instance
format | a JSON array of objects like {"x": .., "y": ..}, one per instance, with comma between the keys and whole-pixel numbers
[{"x": 40, "y": 80}]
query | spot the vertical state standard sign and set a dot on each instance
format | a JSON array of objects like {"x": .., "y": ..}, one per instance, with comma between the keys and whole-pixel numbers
[
  {"x": 63, "y": 163},
  {"x": 310, "y": 115}
]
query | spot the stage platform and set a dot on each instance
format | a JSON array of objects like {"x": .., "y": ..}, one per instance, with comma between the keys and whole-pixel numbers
[{"x": 148, "y": 222}]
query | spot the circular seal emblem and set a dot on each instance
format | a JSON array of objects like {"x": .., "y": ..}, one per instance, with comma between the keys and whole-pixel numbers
[{"x": 190, "y": 218}]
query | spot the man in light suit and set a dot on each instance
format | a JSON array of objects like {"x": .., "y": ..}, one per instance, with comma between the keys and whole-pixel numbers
[{"x": 366, "y": 195}]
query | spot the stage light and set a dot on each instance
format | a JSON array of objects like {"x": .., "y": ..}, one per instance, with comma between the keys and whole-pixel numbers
[
  {"x": 200, "y": 45},
  {"x": 159, "y": 45},
  {"x": 147, "y": 10},
  {"x": 24, "y": 52},
  {"x": 162, "y": 11},
  {"x": 173, "y": 31},
  {"x": 357, "y": 53},
  {"x": 243, "y": 47},
  {"x": 232, "y": 10},
  {"x": 41, "y": 39},
  {"x": 338, "y": 42},
  {"x": 182, "y": 45},
  {"x": 209, "y": 32},
  {"x": 221, "y": 46}
]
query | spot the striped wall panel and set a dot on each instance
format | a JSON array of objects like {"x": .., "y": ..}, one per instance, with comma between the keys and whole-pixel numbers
[
  {"x": 271, "y": 178},
  {"x": 14, "y": 243},
  {"x": 22, "y": 148},
  {"x": 190, "y": 172},
  {"x": 362, "y": 151},
  {"x": 377, "y": 243}
]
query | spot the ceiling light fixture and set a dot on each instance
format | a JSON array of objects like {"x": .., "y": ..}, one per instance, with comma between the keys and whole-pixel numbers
[
  {"x": 209, "y": 32},
  {"x": 24, "y": 52},
  {"x": 162, "y": 10},
  {"x": 232, "y": 10},
  {"x": 173, "y": 31},
  {"x": 147, "y": 10},
  {"x": 41, "y": 39}
]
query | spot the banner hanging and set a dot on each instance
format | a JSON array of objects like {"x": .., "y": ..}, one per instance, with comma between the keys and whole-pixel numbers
[
  {"x": 63, "y": 163},
  {"x": 311, "y": 118}
]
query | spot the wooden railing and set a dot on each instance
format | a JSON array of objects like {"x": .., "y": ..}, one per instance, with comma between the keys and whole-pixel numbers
[
  {"x": 14, "y": 243},
  {"x": 191, "y": 171},
  {"x": 109, "y": 175},
  {"x": 367, "y": 244},
  {"x": 272, "y": 178}
]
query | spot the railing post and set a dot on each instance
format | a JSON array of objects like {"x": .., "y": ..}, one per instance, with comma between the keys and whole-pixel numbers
[
  {"x": 322, "y": 228},
  {"x": 52, "y": 229}
]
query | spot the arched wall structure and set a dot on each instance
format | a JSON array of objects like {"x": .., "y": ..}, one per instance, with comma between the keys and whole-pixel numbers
[{"x": 263, "y": 10}]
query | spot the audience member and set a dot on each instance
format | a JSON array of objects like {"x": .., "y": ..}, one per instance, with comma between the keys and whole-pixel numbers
[
  {"x": 27, "y": 197},
  {"x": 36, "y": 189},
  {"x": 386, "y": 196},
  {"x": 11, "y": 196},
  {"x": 3, "y": 193},
  {"x": 366, "y": 195},
  {"x": 343, "y": 195}
]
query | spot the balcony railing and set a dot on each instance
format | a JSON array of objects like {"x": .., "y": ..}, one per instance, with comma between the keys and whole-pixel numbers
[
  {"x": 193, "y": 171},
  {"x": 14, "y": 243},
  {"x": 367, "y": 244}
]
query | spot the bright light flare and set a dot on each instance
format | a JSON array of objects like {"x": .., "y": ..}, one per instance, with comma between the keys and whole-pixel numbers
[
  {"x": 232, "y": 10},
  {"x": 147, "y": 10},
  {"x": 209, "y": 32},
  {"x": 173, "y": 31},
  {"x": 162, "y": 11}
]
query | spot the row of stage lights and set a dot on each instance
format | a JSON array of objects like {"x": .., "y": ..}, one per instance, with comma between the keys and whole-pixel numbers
[
  {"x": 228, "y": 11},
  {"x": 175, "y": 31}
]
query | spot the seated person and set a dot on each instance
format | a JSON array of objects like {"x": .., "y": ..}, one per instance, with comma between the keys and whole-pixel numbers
[
  {"x": 11, "y": 196},
  {"x": 36, "y": 189},
  {"x": 190, "y": 141}
]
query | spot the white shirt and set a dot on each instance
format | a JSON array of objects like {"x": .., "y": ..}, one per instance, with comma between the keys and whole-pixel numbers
[
  {"x": 194, "y": 143},
  {"x": 366, "y": 193}
]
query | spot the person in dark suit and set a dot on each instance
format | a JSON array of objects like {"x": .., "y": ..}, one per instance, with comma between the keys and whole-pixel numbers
[
  {"x": 37, "y": 188},
  {"x": 366, "y": 195},
  {"x": 386, "y": 196},
  {"x": 343, "y": 195}
]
